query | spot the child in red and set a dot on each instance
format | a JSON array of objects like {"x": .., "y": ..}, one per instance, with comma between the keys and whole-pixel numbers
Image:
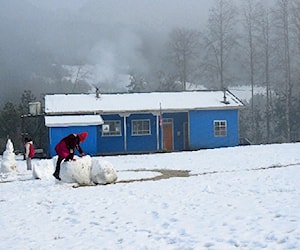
[
  {"x": 29, "y": 152},
  {"x": 65, "y": 149}
]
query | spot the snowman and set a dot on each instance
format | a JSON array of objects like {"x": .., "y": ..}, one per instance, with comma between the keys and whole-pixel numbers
[{"x": 9, "y": 163}]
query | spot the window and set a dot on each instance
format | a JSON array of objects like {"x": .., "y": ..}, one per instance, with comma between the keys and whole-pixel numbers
[
  {"x": 111, "y": 128},
  {"x": 141, "y": 127},
  {"x": 220, "y": 128}
]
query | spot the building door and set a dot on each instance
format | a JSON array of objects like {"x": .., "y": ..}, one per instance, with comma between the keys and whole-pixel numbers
[{"x": 168, "y": 134}]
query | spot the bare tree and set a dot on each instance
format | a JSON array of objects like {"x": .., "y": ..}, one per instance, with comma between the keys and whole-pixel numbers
[
  {"x": 265, "y": 39},
  {"x": 296, "y": 21},
  {"x": 220, "y": 38},
  {"x": 168, "y": 82},
  {"x": 183, "y": 47},
  {"x": 250, "y": 10},
  {"x": 283, "y": 25},
  {"x": 137, "y": 84},
  {"x": 80, "y": 75}
]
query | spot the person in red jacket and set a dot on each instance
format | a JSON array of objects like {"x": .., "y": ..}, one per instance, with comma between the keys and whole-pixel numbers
[
  {"x": 29, "y": 152},
  {"x": 65, "y": 149}
]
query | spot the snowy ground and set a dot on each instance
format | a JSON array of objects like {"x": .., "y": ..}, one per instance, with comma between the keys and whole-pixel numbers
[{"x": 235, "y": 198}]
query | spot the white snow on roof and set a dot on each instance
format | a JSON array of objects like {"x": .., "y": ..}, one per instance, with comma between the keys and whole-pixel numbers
[
  {"x": 134, "y": 102},
  {"x": 74, "y": 120}
]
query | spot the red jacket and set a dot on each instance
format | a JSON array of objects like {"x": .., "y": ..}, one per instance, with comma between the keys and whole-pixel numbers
[
  {"x": 29, "y": 150},
  {"x": 67, "y": 146}
]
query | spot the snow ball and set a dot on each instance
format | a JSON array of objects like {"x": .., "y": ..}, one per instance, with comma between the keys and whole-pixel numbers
[
  {"x": 7, "y": 167},
  {"x": 103, "y": 172},
  {"x": 77, "y": 171},
  {"x": 42, "y": 169}
]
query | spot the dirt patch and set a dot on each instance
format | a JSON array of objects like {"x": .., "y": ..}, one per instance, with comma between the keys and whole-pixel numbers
[
  {"x": 165, "y": 174},
  {"x": 168, "y": 173}
]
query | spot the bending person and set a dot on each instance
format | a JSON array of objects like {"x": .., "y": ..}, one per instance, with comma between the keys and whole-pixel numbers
[{"x": 65, "y": 149}]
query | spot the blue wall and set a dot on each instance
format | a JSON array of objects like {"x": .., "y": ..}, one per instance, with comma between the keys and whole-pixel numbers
[
  {"x": 141, "y": 143},
  {"x": 201, "y": 133},
  {"x": 202, "y": 128},
  {"x": 134, "y": 143},
  {"x": 111, "y": 144},
  {"x": 89, "y": 146}
]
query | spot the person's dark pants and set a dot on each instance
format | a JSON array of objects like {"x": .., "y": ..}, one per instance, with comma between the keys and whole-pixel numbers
[{"x": 57, "y": 169}]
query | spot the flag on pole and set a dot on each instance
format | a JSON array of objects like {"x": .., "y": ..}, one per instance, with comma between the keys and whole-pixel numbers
[{"x": 160, "y": 115}]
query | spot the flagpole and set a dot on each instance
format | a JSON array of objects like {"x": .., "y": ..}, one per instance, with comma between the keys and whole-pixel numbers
[{"x": 161, "y": 126}]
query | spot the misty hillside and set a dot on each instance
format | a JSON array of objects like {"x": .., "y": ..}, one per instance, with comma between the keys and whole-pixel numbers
[
  {"x": 41, "y": 37},
  {"x": 75, "y": 46}
]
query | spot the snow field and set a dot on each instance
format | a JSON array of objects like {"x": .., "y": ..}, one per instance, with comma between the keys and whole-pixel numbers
[{"x": 235, "y": 205}]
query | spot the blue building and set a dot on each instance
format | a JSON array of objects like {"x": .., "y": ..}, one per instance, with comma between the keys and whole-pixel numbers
[{"x": 145, "y": 122}]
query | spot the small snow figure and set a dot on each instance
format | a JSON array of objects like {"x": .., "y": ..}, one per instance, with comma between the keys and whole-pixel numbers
[{"x": 9, "y": 163}]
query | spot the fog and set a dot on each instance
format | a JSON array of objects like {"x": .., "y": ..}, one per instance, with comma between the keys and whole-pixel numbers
[
  {"x": 73, "y": 46},
  {"x": 38, "y": 36}
]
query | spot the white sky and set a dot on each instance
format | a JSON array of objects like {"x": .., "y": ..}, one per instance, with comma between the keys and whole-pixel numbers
[{"x": 177, "y": 12}]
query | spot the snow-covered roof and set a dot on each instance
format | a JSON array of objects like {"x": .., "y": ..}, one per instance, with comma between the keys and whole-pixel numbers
[
  {"x": 137, "y": 102},
  {"x": 74, "y": 120}
]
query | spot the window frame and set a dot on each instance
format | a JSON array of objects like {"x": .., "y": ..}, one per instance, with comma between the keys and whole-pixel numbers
[
  {"x": 220, "y": 128},
  {"x": 135, "y": 131},
  {"x": 112, "y": 133}
]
